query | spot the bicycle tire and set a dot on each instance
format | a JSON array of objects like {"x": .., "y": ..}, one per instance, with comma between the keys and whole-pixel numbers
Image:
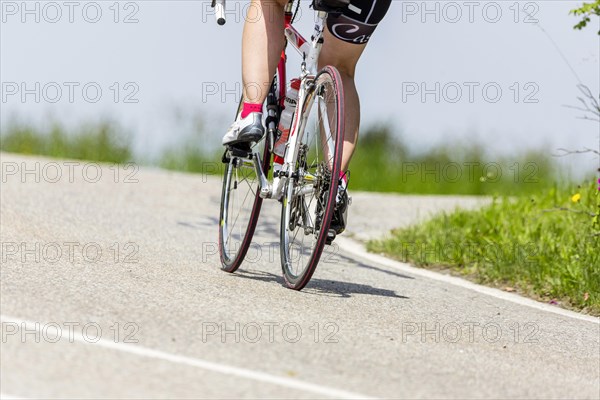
[
  {"x": 330, "y": 78},
  {"x": 231, "y": 259}
]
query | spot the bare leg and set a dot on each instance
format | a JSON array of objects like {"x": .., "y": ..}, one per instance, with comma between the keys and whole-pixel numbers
[
  {"x": 262, "y": 43},
  {"x": 344, "y": 57}
]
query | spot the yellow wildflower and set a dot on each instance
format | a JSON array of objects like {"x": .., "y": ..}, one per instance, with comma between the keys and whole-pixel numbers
[{"x": 575, "y": 198}]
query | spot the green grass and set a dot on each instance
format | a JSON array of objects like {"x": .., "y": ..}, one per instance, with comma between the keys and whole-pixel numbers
[
  {"x": 543, "y": 245},
  {"x": 383, "y": 163},
  {"x": 190, "y": 157},
  {"x": 104, "y": 142}
]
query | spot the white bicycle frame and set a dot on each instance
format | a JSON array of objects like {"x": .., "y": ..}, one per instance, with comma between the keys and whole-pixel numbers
[{"x": 310, "y": 54}]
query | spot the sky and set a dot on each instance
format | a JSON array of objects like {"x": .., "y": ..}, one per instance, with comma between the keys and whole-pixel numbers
[{"x": 502, "y": 73}]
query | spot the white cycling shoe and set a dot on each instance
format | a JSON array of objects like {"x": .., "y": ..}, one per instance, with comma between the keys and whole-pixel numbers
[{"x": 245, "y": 130}]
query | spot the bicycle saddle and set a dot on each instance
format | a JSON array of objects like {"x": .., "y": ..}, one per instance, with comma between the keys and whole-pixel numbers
[{"x": 330, "y": 6}]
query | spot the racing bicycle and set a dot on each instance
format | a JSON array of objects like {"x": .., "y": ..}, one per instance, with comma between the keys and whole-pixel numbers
[{"x": 307, "y": 184}]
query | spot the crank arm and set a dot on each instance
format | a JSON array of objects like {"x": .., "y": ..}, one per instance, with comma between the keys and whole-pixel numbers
[{"x": 263, "y": 183}]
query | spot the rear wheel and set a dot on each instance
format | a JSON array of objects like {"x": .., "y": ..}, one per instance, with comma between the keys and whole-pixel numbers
[
  {"x": 240, "y": 205},
  {"x": 309, "y": 197}
]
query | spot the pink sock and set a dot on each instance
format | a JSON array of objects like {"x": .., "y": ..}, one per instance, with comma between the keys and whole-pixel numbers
[
  {"x": 250, "y": 108},
  {"x": 344, "y": 179},
  {"x": 343, "y": 176}
]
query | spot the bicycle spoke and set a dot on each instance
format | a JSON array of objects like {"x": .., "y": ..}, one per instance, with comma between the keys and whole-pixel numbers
[
  {"x": 326, "y": 126},
  {"x": 239, "y": 213}
]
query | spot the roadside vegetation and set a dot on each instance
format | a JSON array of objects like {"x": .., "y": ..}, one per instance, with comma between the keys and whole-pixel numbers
[
  {"x": 103, "y": 142},
  {"x": 382, "y": 162},
  {"x": 544, "y": 245}
]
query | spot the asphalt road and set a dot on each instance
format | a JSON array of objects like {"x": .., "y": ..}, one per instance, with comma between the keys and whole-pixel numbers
[{"x": 111, "y": 287}]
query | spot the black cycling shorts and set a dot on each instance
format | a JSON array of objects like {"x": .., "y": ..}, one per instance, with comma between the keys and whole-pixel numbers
[{"x": 358, "y": 21}]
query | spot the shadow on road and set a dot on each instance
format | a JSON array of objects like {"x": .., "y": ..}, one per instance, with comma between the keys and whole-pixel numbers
[
  {"x": 352, "y": 261},
  {"x": 267, "y": 229},
  {"x": 323, "y": 287}
]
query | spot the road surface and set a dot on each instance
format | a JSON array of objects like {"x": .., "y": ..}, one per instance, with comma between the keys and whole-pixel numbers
[{"x": 110, "y": 287}]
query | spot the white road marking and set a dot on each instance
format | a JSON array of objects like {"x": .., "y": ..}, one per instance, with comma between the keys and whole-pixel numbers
[
  {"x": 193, "y": 362},
  {"x": 357, "y": 249}
]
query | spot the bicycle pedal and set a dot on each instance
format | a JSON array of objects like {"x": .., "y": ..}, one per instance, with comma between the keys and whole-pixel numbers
[{"x": 331, "y": 235}]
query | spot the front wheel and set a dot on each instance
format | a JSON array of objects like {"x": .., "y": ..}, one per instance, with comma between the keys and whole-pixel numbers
[{"x": 310, "y": 192}]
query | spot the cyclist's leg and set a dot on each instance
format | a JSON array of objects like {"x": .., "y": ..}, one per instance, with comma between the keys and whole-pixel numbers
[
  {"x": 344, "y": 57},
  {"x": 352, "y": 30},
  {"x": 262, "y": 43}
]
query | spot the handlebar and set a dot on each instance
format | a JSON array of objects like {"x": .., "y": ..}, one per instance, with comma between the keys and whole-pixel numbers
[{"x": 219, "y": 6}]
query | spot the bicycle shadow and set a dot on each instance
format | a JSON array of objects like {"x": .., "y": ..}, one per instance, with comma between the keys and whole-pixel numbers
[
  {"x": 322, "y": 287},
  {"x": 331, "y": 254},
  {"x": 353, "y": 262}
]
